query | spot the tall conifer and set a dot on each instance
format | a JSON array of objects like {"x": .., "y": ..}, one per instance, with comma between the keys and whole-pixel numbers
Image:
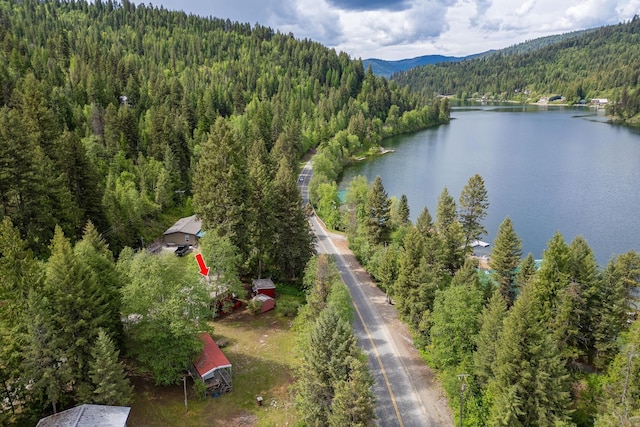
[
  {"x": 505, "y": 257},
  {"x": 378, "y": 214}
]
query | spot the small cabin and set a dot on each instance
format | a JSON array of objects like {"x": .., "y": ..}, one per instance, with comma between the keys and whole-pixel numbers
[
  {"x": 264, "y": 287},
  {"x": 212, "y": 367}
]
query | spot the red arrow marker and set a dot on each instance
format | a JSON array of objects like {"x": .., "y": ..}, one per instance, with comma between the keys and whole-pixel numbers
[{"x": 204, "y": 270}]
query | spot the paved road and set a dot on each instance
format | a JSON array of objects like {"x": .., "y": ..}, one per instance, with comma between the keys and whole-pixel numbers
[{"x": 406, "y": 391}]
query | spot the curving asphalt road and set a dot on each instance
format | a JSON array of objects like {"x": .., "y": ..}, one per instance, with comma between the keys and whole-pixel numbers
[{"x": 405, "y": 389}]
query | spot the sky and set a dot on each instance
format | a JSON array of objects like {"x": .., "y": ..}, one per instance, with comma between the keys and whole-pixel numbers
[{"x": 399, "y": 29}]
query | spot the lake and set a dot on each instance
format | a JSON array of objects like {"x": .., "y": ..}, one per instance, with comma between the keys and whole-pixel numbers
[{"x": 548, "y": 168}]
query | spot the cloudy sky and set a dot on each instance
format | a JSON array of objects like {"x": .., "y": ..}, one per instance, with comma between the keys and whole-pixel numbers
[{"x": 397, "y": 29}]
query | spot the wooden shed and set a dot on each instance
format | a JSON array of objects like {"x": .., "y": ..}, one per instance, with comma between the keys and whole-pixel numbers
[
  {"x": 264, "y": 287},
  {"x": 268, "y": 303},
  {"x": 212, "y": 367}
]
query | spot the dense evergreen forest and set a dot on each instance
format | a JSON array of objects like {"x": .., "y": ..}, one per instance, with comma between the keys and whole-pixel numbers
[
  {"x": 107, "y": 109},
  {"x": 117, "y": 119},
  {"x": 550, "y": 343},
  {"x": 601, "y": 63}
]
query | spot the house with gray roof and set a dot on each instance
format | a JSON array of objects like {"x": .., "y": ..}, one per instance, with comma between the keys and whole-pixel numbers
[{"x": 186, "y": 231}]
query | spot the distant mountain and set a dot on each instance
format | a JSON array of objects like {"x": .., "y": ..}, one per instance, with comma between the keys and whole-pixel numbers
[
  {"x": 597, "y": 63},
  {"x": 380, "y": 67}
]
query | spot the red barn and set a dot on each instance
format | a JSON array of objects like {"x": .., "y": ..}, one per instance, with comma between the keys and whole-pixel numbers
[
  {"x": 212, "y": 367},
  {"x": 264, "y": 287}
]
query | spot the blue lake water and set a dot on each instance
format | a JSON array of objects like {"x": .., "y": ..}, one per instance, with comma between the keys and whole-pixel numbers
[{"x": 549, "y": 169}]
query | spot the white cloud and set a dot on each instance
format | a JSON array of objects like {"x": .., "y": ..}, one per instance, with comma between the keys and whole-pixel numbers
[{"x": 396, "y": 29}]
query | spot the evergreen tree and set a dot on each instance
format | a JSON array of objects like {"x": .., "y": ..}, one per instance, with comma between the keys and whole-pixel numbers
[
  {"x": 76, "y": 306},
  {"x": 220, "y": 190},
  {"x": 403, "y": 209},
  {"x": 473, "y": 206},
  {"x": 19, "y": 276},
  {"x": 110, "y": 382},
  {"x": 47, "y": 368},
  {"x": 94, "y": 252},
  {"x": 491, "y": 321},
  {"x": 450, "y": 233},
  {"x": 612, "y": 314},
  {"x": 260, "y": 210},
  {"x": 353, "y": 402},
  {"x": 622, "y": 387},
  {"x": 293, "y": 240},
  {"x": 530, "y": 386},
  {"x": 526, "y": 270},
  {"x": 424, "y": 223},
  {"x": 378, "y": 214},
  {"x": 505, "y": 257},
  {"x": 455, "y": 318},
  {"x": 446, "y": 213}
]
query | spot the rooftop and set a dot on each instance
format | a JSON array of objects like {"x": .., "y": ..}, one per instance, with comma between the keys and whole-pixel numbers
[
  {"x": 211, "y": 358},
  {"x": 187, "y": 225},
  {"x": 88, "y": 416},
  {"x": 263, "y": 284}
]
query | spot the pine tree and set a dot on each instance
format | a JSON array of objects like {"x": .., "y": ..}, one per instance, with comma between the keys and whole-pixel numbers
[
  {"x": 19, "y": 276},
  {"x": 219, "y": 184},
  {"x": 424, "y": 223},
  {"x": 353, "y": 402},
  {"x": 526, "y": 270},
  {"x": 378, "y": 214},
  {"x": 294, "y": 240},
  {"x": 446, "y": 213},
  {"x": 110, "y": 382},
  {"x": 622, "y": 387},
  {"x": 94, "y": 252},
  {"x": 491, "y": 321},
  {"x": 260, "y": 210},
  {"x": 403, "y": 209},
  {"x": 455, "y": 318},
  {"x": 450, "y": 233},
  {"x": 473, "y": 206},
  {"x": 505, "y": 257},
  {"x": 530, "y": 386},
  {"x": 46, "y": 365},
  {"x": 615, "y": 301},
  {"x": 76, "y": 306},
  {"x": 324, "y": 363}
]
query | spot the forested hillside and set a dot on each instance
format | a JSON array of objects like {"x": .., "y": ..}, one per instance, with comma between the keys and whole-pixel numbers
[
  {"x": 107, "y": 108},
  {"x": 601, "y": 63}
]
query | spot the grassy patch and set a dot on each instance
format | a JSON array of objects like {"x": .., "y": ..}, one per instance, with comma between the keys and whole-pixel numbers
[{"x": 262, "y": 351}]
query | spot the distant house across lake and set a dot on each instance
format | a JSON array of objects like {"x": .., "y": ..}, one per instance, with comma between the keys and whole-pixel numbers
[{"x": 186, "y": 231}]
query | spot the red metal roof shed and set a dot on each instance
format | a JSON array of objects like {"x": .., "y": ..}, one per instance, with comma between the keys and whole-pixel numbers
[{"x": 211, "y": 358}]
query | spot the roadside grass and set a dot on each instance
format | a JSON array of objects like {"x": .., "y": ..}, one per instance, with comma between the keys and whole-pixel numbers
[{"x": 262, "y": 351}]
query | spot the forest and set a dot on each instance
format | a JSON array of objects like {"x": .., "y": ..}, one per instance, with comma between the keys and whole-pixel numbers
[
  {"x": 599, "y": 63},
  {"x": 551, "y": 342},
  {"x": 116, "y": 120}
]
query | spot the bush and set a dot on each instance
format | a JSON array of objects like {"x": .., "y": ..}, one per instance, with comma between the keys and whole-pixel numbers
[
  {"x": 254, "y": 306},
  {"x": 287, "y": 306}
]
